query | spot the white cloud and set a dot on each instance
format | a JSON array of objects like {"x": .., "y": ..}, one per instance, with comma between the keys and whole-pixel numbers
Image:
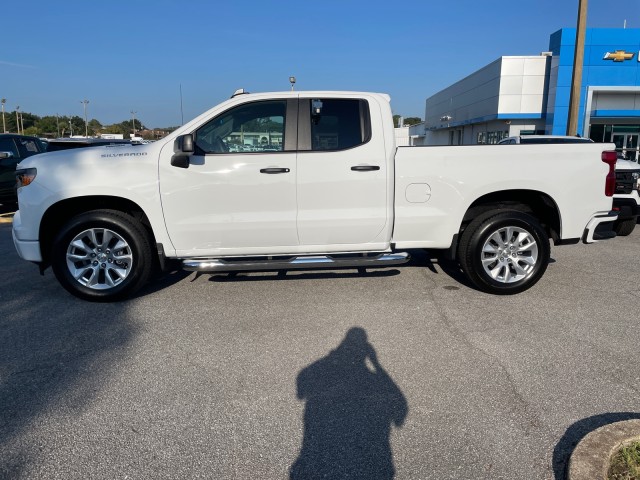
[{"x": 11, "y": 64}]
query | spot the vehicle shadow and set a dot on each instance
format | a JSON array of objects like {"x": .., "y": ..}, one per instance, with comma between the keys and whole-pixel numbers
[
  {"x": 292, "y": 275},
  {"x": 160, "y": 282},
  {"x": 351, "y": 405},
  {"x": 55, "y": 352},
  {"x": 576, "y": 432}
]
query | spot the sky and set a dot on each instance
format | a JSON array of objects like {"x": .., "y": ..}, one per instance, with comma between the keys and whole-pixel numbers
[{"x": 135, "y": 55}]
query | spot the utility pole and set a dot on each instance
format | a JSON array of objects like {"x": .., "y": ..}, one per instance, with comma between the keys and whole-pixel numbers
[
  {"x": 58, "y": 125},
  {"x": 133, "y": 114},
  {"x": 4, "y": 125},
  {"x": 86, "y": 125},
  {"x": 18, "y": 119},
  {"x": 578, "y": 62}
]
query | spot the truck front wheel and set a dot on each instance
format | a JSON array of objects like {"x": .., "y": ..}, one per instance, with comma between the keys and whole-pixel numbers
[
  {"x": 504, "y": 252},
  {"x": 101, "y": 255}
]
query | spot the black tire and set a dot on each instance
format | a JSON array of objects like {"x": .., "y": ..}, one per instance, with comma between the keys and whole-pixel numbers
[
  {"x": 511, "y": 273},
  {"x": 625, "y": 227},
  {"x": 115, "y": 274}
]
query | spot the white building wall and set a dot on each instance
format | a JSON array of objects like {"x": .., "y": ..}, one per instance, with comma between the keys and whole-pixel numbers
[
  {"x": 503, "y": 98},
  {"x": 475, "y": 96},
  {"x": 522, "y": 85},
  {"x": 402, "y": 136}
]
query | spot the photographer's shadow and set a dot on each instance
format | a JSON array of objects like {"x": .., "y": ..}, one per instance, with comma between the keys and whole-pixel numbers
[{"x": 351, "y": 403}]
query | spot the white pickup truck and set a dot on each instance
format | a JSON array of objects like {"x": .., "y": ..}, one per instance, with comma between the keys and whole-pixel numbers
[{"x": 300, "y": 180}]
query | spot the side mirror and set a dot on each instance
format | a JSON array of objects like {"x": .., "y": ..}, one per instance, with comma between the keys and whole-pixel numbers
[
  {"x": 185, "y": 143},
  {"x": 184, "y": 147},
  {"x": 4, "y": 155},
  {"x": 180, "y": 161}
]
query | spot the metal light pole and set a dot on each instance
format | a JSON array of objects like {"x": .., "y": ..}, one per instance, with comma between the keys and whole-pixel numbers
[
  {"x": 4, "y": 125},
  {"x": 22, "y": 122},
  {"x": 578, "y": 61},
  {"x": 18, "y": 119},
  {"x": 133, "y": 114},
  {"x": 292, "y": 81},
  {"x": 70, "y": 129},
  {"x": 58, "y": 125},
  {"x": 86, "y": 125}
]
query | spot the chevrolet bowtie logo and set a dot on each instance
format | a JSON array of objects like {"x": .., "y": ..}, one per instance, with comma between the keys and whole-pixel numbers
[{"x": 618, "y": 56}]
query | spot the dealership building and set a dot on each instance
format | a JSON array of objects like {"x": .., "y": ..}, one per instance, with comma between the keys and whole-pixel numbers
[{"x": 519, "y": 95}]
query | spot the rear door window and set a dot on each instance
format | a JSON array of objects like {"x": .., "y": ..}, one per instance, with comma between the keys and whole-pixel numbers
[{"x": 334, "y": 124}]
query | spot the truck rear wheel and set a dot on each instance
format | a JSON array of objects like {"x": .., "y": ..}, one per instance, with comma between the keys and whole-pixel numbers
[
  {"x": 504, "y": 252},
  {"x": 625, "y": 227},
  {"x": 102, "y": 255}
]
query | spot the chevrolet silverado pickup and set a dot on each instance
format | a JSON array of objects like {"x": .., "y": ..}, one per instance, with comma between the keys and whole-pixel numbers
[{"x": 301, "y": 180}]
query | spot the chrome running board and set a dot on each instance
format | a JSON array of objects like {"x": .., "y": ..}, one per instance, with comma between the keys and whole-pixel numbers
[{"x": 381, "y": 260}]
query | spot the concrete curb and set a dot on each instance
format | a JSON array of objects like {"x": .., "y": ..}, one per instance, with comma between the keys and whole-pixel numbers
[{"x": 590, "y": 458}]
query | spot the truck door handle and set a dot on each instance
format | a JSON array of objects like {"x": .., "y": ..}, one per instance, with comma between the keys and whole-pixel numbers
[
  {"x": 273, "y": 170},
  {"x": 365, "y": 168}
]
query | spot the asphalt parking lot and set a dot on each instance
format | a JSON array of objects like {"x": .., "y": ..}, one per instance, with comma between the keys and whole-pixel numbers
[{"x": 406, "y": 371}]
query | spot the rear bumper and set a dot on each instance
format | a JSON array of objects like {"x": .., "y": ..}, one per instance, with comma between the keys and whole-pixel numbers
[
  {"x": 600, "y": 227},
  {"x": 626, "y": 207}
]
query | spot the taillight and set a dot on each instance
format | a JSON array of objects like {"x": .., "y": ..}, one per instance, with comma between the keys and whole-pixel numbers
[{"x": 610, "y": 158}]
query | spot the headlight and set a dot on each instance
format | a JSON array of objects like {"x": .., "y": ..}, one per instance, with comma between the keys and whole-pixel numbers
[{"x": 25, "y": 176}]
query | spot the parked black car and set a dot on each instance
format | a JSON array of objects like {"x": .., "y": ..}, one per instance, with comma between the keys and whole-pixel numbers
[
  {"x": 56, "y": 144},
  {"x": 13, "y": 149}
]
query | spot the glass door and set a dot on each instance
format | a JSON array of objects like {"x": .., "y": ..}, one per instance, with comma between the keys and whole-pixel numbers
[{"x": 626, "y": 145}]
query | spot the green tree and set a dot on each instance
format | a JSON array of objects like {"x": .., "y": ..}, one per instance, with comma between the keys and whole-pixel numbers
[
  {"x": 405, "y": 120},
  {"x": 115, "y": 128},
  {"x": 10, "y": 118},
  {"x": 78, "y": 125},
  {"x": 48, "y": 126},
  {"x": 412, "y": 120},
  {"x": 95, "y": 127}
]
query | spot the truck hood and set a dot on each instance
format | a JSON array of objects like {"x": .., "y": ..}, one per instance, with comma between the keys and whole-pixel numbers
[
  {"x": 99, "y": 155},
  {"x": 626, "y": 165}
]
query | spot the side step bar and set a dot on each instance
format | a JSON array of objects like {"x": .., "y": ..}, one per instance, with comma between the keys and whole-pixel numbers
[{"x": 382, "y": 260}]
